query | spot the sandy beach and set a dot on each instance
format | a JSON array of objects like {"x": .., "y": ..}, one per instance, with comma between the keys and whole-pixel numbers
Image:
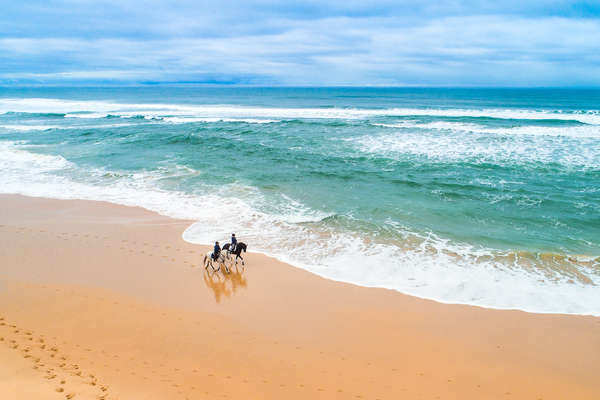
[{"x": 99, "y": 301}]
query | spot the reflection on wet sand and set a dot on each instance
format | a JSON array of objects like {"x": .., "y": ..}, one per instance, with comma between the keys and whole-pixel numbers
[{"x": 225, "y": 284}]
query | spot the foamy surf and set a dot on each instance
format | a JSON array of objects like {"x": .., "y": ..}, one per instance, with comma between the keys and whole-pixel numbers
[
  {"x": 585, "y": 131},
  {"x": 479, "y": 205},
  {"x": 24, "y": 128},
  {"x": 101, "y": 109},
  {"x": 424, "y": 266},
  {"x": 189, "y": 120},
  {"x": 500, "y": 150}
]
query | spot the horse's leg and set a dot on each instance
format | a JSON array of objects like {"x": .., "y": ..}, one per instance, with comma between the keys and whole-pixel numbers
[
  {"x": 226, "y": 266},
  {"x": 209, "y": 261}
]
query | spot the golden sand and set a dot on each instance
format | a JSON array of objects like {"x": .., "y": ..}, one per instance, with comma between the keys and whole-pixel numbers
[{"x": 107, "y": 302}]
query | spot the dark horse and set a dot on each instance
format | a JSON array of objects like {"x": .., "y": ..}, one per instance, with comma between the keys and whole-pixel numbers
[{"x": 238, "y": 250}]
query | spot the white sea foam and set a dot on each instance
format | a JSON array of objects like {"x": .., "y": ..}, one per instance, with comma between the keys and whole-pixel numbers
[
  {"x": 90, "y": 115},
  {"x": 24, "y": 128},
  {"x": 187, "y": 120},
  {"x": 459, "y": 147},
  {"x": 578, "y": 131},
  {"x": 428, "y": 267},
  {"x": 152, "y": 110},
  {"x": 14, "y": 161},
  {"x": 424, "y": 266}
]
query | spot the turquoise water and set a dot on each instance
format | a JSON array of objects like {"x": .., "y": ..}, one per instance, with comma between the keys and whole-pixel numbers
[{"x": 477, "y": 196}]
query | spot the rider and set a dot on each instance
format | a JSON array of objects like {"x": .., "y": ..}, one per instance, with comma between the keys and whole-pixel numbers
[
  {"x": 233, "y": 243},
  {"x": 216, "y": 251}
]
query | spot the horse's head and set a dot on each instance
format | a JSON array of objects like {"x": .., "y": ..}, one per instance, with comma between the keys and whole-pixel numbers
[{"x": 242, "y": 246}]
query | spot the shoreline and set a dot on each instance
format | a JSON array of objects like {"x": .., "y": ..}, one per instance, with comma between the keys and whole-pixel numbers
[
  {"x": 101, "y": 280},
  {"x": 312, "y": 269}
]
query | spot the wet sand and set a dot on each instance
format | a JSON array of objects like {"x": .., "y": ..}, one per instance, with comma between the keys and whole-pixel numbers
[{"x": 100, "y": 301}]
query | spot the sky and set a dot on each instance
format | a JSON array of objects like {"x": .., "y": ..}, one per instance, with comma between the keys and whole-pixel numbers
[{"x": 301, "y": 43}]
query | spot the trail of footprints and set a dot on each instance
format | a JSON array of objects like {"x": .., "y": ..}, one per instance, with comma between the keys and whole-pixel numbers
[
  {"x": 67, "y": 376},
  {"x": 127, "y": 246},
  {"x": 55, "y": 366},
  {"x": 52, "y": 365}
]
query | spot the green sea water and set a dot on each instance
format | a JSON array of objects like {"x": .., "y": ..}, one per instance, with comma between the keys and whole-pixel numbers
[{"x": 477, "y": 196}]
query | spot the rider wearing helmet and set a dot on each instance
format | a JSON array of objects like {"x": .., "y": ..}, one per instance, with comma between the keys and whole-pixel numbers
[{"x": 233, "y": 243}]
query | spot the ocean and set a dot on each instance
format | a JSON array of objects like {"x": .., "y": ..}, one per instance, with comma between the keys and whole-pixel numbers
[{"x": 489, "y": 197}]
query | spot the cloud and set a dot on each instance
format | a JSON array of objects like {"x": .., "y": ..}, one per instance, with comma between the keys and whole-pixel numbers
[{"x": 340, "y": 43}]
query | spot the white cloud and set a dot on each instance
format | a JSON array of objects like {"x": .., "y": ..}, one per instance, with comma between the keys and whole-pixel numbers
[{"x": 475, "y": 50}]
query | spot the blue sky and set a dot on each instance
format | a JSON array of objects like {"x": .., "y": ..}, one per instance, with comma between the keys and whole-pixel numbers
[{"x": 422, "y": 43}]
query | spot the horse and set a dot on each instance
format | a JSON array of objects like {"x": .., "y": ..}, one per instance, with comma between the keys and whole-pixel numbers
[
  {"x": 238, "y": 250},
  {"x": 208, "y": 260}
]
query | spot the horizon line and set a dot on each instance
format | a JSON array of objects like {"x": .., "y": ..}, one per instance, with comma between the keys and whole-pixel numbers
[{"x": 237, "y": 85}]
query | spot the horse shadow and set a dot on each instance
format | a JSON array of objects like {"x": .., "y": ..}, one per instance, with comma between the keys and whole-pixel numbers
[{"x": 224, "y": 285}]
